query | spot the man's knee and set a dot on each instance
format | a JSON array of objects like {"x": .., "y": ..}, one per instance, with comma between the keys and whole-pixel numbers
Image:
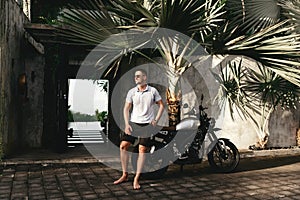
[
  {"x": 142, "y": 149},
  {"x": 124, "y": 145}
]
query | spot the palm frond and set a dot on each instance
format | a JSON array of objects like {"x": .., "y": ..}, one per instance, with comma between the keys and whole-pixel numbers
[
  {"x": 259, "y": 90},
  {"x": 88, "y": 22},
  {"x": 291, "y": 10},
  {"x": 175, "y": 53},
  {"x": 270, "y": 88},
  {"x": 276, "y": 47},
  {"x": 133, "y": 13},
  {"x": 191, "y": 16},
  {"x": 209, "y": 18},
  {"x": 231, "y": 92},
  {"x": 252, "y": 16}
]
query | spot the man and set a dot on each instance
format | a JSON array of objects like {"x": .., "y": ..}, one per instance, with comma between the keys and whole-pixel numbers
[{"x": 141, "y": 99}]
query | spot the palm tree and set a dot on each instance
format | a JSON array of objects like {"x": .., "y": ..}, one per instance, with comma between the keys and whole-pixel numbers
[
  {"x": 120, "y": 15},
  {"x": 274, "y": 81},
  {"x": 263, "y": 30},
  {"x": 255, "y": 92}
]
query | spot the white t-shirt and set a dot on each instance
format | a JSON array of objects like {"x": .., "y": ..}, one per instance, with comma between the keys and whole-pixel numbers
[{"x": 142, "y": 104}]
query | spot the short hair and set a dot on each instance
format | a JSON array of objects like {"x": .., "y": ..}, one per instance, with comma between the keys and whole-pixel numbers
[{"x": 141, "y": 70}]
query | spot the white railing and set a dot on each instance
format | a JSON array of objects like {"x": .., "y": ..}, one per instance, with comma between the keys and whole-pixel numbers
[{"x": 86, "y": 133}]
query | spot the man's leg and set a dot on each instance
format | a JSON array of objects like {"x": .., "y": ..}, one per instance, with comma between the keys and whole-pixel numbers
[
  {"x": 124, "y": 161},
  {"x": 140, "y": 164}
]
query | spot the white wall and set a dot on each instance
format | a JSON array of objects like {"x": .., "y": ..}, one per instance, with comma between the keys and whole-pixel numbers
[{"x": 282, "y": 125}]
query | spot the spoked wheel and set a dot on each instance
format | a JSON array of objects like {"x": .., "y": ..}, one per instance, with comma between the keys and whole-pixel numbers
[
  {"x": 155, "y": 165},
  {"x": 224, "y": 157}
]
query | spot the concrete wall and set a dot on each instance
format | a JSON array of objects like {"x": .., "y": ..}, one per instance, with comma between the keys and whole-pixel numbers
[
  {"x": 283, "y": 127},
  {"x": 33, "y": 107},
  {"x": 17, "y": 57}
]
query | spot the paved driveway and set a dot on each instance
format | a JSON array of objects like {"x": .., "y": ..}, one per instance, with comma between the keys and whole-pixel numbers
[{"x": 255, "y": 178}]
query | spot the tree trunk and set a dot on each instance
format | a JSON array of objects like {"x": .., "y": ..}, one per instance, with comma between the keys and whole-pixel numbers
[
  {"x": 173, "y": 100},
  {"x": 262, "y": 127},
  {"x": 173, "y": 108}
]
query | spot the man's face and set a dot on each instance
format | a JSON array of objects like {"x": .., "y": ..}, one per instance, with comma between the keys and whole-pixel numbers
[{"x": 139, "y": 78}]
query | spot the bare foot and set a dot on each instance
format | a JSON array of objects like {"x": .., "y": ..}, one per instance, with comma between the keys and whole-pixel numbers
[
  {"x": 136, "y": 185},
  {"x": 123, "y": 178}
]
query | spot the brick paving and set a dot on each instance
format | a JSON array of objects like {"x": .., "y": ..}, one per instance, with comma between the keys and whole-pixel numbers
[{"x": 256, "y": 178}]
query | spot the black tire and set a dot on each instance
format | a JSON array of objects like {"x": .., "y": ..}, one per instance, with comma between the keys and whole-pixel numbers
[
  {"x": 222, "y": 162},
  {"x": 155, "y": 165}
]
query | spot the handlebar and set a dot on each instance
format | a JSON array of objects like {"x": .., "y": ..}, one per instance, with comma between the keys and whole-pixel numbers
[{"x": 202, "y": 108}]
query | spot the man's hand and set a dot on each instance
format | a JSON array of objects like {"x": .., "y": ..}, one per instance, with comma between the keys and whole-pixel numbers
[
  {"x": 154, "y": 122},
  {"x": 128, "y": 129}
]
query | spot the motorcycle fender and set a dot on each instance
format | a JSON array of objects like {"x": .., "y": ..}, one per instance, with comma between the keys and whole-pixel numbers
[{"x": 224, "y": 139}]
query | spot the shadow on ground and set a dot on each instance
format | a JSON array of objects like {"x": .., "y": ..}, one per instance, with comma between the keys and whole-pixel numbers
[
  {"x": 249, "y": 164},
  {"x": 246, "y": 164}
]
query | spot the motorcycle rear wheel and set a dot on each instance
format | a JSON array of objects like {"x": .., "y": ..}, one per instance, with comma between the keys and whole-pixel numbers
[{"x": 222, "y": 162}]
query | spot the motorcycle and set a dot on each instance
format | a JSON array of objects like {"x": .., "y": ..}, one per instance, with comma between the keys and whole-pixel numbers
[{"x": 183, "y": 144}]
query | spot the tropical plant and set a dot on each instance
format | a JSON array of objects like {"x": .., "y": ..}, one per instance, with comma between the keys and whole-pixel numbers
[
  {"x": 81, "y": 117},
  {"x": 255, "y": 92},
  {"x": 264, "y": 30},
  {"x": 193, "y": 18},
  {"x": 292, "y": 12},
  {"x": 103, "y": 84},
  {"x": 274, "y": 43},
  {"x": 101, "y": 116},
  {"x": 45, "y": 12},
  {"x": 70, "y": 117}
]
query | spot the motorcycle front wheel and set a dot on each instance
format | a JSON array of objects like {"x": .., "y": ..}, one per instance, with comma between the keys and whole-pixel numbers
[
  {"x": 224, "y": 157},
  {"x": 155, "y": 165}
]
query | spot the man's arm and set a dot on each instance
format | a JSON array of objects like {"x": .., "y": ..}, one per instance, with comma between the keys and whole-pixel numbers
[
  {"x": 160, "y": 103},
  {"x": 126, "y": 110}
]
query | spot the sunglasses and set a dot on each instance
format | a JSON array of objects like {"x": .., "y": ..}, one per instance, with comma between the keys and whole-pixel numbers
[{"x": 138, "y": 76}]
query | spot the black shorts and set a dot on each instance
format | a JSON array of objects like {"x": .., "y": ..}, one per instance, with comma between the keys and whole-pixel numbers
[
  {"x": 141, "y": 141},
  {"x": 140, "y": 132}
]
